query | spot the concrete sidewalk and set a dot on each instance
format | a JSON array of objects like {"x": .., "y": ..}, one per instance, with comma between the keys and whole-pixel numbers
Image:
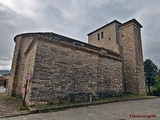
[{"x": 2, "y": 89}]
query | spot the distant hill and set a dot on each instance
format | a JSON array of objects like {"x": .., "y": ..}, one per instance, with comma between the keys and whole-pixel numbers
[{"x": 3, "y": 72}]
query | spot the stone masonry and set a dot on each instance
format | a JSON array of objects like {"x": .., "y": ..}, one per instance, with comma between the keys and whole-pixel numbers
[
  {"x": 124, "y": 39},
  {"x": 66, "y": 70}
]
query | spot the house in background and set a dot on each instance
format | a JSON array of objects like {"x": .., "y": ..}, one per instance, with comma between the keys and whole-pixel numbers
[
  {"x": 2, "y": 80},
  {"x": 6, "y": 75}
]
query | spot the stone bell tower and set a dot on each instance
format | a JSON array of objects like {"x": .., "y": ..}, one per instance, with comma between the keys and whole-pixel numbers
[
  {"x": 130, "y": 40},
  {"x": 124, "y": 39}
]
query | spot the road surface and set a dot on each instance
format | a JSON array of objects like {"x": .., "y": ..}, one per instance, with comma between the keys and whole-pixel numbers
[{"x": 147, "y": 109}]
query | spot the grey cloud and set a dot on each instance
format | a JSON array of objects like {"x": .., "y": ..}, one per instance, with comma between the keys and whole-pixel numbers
[
  {"x": 6, "y": 45},
  {"x": 11, "y": 24},
  {"x": 151, "y": 36},
  {"x": 83, "y": 16},
  {"x": 76, "y": 18}
]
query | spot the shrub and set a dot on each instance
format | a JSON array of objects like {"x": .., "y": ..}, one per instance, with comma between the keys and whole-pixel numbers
[{"x": 156, "y": 90}]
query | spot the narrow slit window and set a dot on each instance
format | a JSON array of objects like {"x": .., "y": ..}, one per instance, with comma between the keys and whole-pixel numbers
[
  {"x": 101, "y": 35},
  {"x": 98, "y": 36}
]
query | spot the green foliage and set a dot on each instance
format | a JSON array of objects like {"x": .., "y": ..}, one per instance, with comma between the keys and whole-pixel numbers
[
  {"x": 158, "y": 74},
  {"x": 151, "y": 71},
  {"x": 24, "y": 108},
  {"x": 13, "y": 94},
  {"x": 156, "y": 90},
  {"x": 129, "y": 94}
]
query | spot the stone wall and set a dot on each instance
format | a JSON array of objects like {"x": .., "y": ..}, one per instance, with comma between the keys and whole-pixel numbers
[
  {"x": 13, "y": 67},
  {"x": 139, "y": 61},
  {"x": 29, "y": 68},
  {"x": 109, "y": 40},
  {"x": 18, "y": 64},
  {"x": 125, "y": 39},
  {"x": 69, "y": 73},
  {"x": 130, "y": 40},
  {"x": 109, "y": 77}
]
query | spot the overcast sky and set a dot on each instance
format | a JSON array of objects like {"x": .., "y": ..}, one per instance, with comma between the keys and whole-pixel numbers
[{"x": 75, "y": 19}]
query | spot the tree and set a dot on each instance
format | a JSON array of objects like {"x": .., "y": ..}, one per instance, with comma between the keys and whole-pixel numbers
[
  {"x": 151, "y": 71},
  {"x": 156, "y": 90},
  {"x": 158, "y": 74}
]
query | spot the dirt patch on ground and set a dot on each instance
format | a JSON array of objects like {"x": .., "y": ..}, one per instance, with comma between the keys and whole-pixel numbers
[{"x": 10, "y": 106}]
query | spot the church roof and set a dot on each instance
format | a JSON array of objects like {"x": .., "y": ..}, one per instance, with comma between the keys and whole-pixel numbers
[
  {"x": 132, "y": 21},
  {"x": 49, "y": 36},
  {"x": 120, "y": 24},
  {"x": 114, "y": 21}
]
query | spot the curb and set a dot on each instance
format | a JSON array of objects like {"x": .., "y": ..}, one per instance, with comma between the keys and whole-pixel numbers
[{"x": 34, "y": 110}]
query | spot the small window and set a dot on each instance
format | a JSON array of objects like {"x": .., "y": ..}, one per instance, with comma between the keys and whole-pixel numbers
[
  {"x": 101, "y": 35},
  {"x": 98, "y": 36},
  {"x": 109, "y": 39}
]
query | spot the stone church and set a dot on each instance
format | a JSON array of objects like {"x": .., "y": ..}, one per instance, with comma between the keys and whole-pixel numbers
[{"x": 63, "y": 69}]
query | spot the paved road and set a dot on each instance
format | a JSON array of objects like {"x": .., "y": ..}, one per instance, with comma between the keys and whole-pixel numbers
[{"x": 112, "y": 111}]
